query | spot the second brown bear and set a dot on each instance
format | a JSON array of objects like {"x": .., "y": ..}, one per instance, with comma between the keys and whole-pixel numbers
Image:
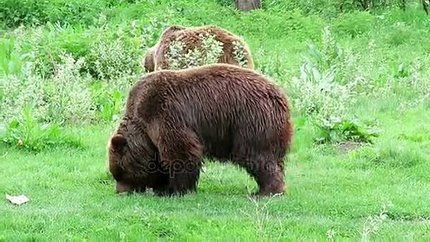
[{"x": 235, "y": 50}]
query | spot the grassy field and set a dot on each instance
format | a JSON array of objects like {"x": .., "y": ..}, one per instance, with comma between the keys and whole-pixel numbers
[{"x": 359, "y": 88}]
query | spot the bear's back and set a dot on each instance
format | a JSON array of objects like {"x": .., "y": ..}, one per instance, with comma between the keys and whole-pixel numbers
[{"x": 224, "y": 86}]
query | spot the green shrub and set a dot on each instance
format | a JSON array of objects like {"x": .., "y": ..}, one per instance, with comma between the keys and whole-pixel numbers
[
  {"x": 273, "y": 66},
  {"x": 38, "y": 12},
  {"x": 111, "y": 60},
  {"x": 239, "y": 53},
  {"x": 116, "y": 51},
  {"x": 354, "y": 23},
  {"x": 109, "y": 51},
  {"x": 317, "y": 94},
  {"x": 64, "y": 97},
  {"x": 14, "y": 13},
  {"x": 76, "y": 12},
  {"x": 317, "y": 91},
  {"x": 44, "y": 46},
  {"x": 151, "y": 31},
  {"x": 329, "y": 55},
  {"x": 40, "y": 70}
]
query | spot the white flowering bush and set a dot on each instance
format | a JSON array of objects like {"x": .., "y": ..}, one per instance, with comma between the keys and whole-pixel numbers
[
  {"x": 239, "y": 53},
  {"x": 67, "y": 95},
  {"x": 16, "y": 92},
  {"x": 208, "y": 53},
  {"x": 111, "y": 60}
]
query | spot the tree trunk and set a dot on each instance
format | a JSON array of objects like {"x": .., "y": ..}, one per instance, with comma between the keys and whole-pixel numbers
[
  {"x": 402, "y": 4},
  {"x": 246, "y": 5},
  {"x": 426, "y": 6}
]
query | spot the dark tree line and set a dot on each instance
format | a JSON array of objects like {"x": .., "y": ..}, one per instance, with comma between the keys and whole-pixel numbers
[{"x": 246, "y": 5}]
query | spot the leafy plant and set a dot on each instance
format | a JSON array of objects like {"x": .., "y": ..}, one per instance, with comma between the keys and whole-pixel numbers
[
  {"x": 337, "y": 130},
  {"x": 109, "y": 102},
  {"x": 14, "y": 13},
  {"x": 11, "y": 60},
  {"x": 317, "y": 93},
  {"x": 27, "y": 133}
]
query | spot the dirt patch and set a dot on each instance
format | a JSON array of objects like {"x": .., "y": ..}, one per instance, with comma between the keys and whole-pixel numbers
[{"x": 348, "y": 146}]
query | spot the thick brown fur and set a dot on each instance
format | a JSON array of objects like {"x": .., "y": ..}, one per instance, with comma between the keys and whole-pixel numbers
[
  {"x": 174, "y": 119},
  {"x": 155, "y": 58}
]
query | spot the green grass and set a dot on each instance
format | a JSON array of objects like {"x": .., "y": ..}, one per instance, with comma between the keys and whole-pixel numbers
[
  {"x": 376, "y": 191},
  {"x": 72, "y": 197}
]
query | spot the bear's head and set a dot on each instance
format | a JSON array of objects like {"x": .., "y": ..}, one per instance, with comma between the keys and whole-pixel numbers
[
  {"x": 148, "y": 62},
  {"x": 131, "y": 163},
  {"x": 171, "y": 30}
]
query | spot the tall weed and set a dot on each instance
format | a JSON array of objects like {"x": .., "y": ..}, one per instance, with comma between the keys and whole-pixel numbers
[
  {"x": 317, "y": 91},
  {"x": 26, "y": 132},
  {"x": 11, "y": 61},
  {"x": 326, "y": 90}
]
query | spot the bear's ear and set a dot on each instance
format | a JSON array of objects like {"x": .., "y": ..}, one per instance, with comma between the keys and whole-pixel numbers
[
  {"x": 118, "y": 141},
  {"x": 171, "y": 29},
  {"x": 174, "y": 28}
]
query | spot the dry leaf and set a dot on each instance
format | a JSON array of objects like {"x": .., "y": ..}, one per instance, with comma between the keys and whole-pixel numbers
[{"x": 18, "y": 200}]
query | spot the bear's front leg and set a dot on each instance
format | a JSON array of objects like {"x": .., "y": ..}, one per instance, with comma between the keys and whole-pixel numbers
[
  {"x": 180, "y": 179},
  {"x": 181, "y": 156},
  {"x": 183, "y": 176},
  {"x": 269, "y": 176}
]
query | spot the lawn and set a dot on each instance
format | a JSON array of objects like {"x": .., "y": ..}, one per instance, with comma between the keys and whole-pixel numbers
[{"x": 365, "y": 177}]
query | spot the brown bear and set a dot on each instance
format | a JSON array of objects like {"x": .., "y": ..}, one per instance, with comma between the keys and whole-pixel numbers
[
  {"x": 156, "y": 57},
  {"x": 175, "y": 118}
]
